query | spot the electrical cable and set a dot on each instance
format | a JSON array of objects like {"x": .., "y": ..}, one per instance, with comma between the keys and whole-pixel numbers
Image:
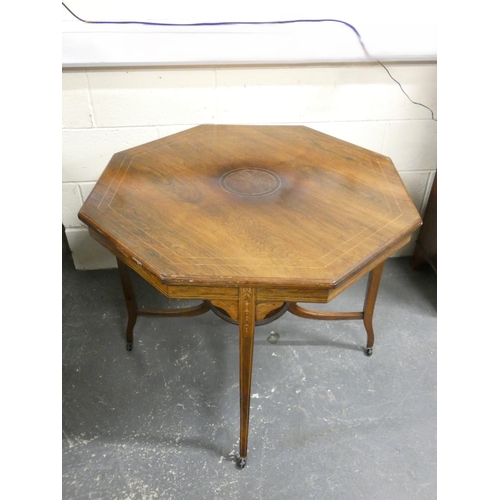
[{"x": 234, "y": 23}]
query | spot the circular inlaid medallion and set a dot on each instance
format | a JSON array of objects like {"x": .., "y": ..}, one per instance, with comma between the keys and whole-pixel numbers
[{"x": 250, "y": 182}]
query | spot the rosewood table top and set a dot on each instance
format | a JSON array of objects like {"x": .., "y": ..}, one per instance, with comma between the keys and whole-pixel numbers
[{"x": 259, "y": 205}]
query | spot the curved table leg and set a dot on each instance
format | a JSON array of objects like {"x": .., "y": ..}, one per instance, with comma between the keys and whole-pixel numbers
[
  {"x": 130, "y": 300},
  {"x": 246, "y": 315},
  {"x": 133, "y": 311},
  {"x": 370, "y": 299}
]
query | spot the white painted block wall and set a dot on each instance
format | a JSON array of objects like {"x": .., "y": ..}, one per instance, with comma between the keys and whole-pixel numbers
[{"x": 108, "y": 110}]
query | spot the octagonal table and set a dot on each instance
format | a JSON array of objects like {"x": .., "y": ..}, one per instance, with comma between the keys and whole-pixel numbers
[{"x": 251, "y": 220}]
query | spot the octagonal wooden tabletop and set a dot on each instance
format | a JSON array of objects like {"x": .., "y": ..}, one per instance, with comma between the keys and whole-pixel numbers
[{"x": 258, "y": 205}]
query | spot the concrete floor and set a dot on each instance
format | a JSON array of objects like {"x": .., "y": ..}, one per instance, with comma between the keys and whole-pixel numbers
[{"x": 326, "y": 422}]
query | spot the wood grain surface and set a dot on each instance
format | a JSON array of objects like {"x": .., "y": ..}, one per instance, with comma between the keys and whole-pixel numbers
[{"x": 237, "y": 205}]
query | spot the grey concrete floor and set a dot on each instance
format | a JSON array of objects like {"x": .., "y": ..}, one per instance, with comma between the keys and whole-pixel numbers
[{"x": 327, "y": 422}]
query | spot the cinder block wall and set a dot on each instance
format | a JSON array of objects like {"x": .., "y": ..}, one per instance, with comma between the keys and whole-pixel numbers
[{"x": 108, "y": 110}]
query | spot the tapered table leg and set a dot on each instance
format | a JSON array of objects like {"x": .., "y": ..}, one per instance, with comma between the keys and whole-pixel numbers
[
  {"x": 130, "y": 300},
  {"x": 370, "y": 299},
  {"x": 246, "y": 314}
]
